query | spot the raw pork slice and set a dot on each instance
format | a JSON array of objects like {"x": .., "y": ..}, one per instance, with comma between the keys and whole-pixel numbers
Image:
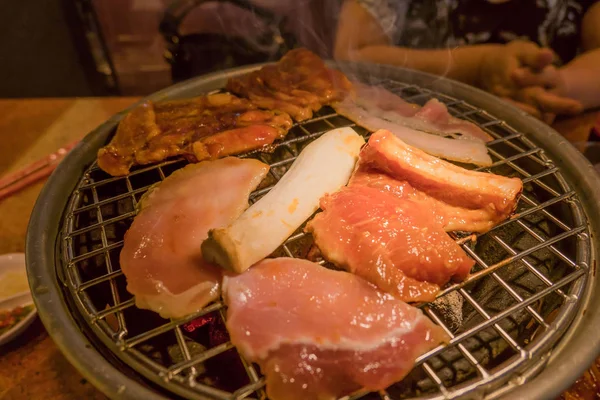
[
  {"x": 430, "y": 128},
  {"x": 322, "y": 334},
  {"x": 161, "y": 256},
  {"x": 465, "y": 151},
  {"x": 433, "y": 117},
  {"x": 492, "y": 198},
  {"x": 393, "y": 242}
]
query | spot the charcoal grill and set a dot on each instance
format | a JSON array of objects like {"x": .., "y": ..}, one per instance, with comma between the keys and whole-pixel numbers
[{"x": 524, "y": 325}]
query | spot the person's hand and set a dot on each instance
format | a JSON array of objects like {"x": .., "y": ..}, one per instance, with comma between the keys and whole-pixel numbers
[
  {"x": 535, "y": 88},
  {"x": 544, "y": 103},
  {"x": 548, "y": 118},
  {"x": 532, "y": 110},
  {"x": 548, "y": 101},
  {"x": 549, "y": 78},
  {"x": 499, "y": 66}
]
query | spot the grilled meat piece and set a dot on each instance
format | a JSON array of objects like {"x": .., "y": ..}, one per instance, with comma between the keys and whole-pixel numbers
[
  {"x": 431, "y": 128},
  {"x": 322, "y": 334},
  {"x": 452, "y": 218},
  {"x": 298, "y": 84},
  {"x": 206, "y": 127},
  {"x": 461, "y": 150}
]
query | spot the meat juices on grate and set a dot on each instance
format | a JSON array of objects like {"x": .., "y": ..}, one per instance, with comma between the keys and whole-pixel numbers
[
  {"x": 161, "y": 256},
  {"x": 298, "y": 84},
  {"x": 322, "y": 334},
  {"x": 205, "y": 127}
]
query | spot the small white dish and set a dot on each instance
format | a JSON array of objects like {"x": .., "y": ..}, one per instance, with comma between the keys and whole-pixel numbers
[{"x": 15, "y": 263}]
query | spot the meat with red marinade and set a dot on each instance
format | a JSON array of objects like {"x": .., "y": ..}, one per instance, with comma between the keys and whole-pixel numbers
[
  {"x": 200, "y": 128},
  {"x": 392, "y": 242},
  {"x": 484, "y": 199},
  {"x": 389, "y": 224}
]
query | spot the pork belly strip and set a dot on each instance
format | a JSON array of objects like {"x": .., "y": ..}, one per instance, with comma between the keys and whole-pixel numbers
[
  {"x": 451, "y": 184},
  {"x": 322, "y": 334},
  {"x": 393, "y": 242},
  {"x": 465, "y": 151},
  {"x": 205, "y": 127},
  {"x": 298, "y": 84},
  {"x": 433, "y": 117}
]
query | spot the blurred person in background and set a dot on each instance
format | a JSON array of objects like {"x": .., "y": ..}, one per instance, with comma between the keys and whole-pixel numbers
[{"x": 541, "y": 55}]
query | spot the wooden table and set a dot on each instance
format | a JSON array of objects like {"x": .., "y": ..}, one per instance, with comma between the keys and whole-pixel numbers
[{"x": 32, "y": 367}]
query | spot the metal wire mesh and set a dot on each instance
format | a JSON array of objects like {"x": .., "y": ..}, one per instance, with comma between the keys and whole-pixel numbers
[{"x": 518, "y": 301}]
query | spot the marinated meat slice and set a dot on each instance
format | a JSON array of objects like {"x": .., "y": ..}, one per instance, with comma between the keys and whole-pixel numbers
[
  {"x": 161, "y": 256},
  {"x": 206, "y": 127},
  {"x": 134, "y": 131},
  {"x": 307, "y": 71},
  {"x": 393, "y": 242},
  {"x": 379, "y": 98},
  {"x": 298, "y": 84},
  {"x": 252, "y": 87},
  {"x": 322, "y": 334},
  {"x": 452, "y": 218},
  {"x": 434, "y": 117},
  {"x": 493, "y": 194}
]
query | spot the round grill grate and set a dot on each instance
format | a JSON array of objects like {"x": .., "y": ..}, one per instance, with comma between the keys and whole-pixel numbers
[{"x": 530, "y": 275}]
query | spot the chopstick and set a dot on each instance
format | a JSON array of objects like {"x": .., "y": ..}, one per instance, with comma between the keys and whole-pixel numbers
[{"x": 12, "y": 183}]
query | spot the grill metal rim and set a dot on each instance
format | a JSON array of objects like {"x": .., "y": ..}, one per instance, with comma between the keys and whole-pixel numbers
[{"x": 457, "y": 102}]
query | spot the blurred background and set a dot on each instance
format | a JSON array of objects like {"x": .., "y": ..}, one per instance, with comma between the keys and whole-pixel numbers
[{"x": 134, "y": 47}]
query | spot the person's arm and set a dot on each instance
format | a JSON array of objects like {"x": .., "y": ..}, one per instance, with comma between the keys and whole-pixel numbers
[
  {"x": 581, "y": 77},
  {"x": 361, "y": 38},
  {"x": 578, "y": 80}
]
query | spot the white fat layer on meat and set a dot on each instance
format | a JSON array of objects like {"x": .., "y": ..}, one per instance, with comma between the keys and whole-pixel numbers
[
  {"x": 341, "y": 344},
  {"x": 470, "y": 150},
  {"x": 323, "y": 342},
  {"x": 169, "y": 305}
]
